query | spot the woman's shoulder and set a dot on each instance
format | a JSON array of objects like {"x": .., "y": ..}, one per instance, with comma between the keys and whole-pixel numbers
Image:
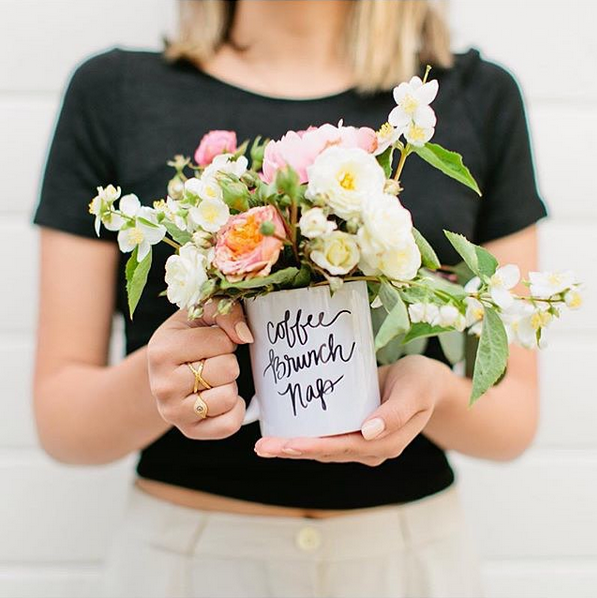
[
  {"x": 107, "y": 69},
  {"x": 482, "y": 79}
]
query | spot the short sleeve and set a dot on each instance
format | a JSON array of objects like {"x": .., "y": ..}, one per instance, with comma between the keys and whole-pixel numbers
[
  {"x": 511, "y": 200},
  {"x": 83, "y": 149}
]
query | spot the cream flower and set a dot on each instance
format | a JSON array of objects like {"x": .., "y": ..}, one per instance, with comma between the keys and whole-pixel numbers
[
  {"x": 337, "y": 252},
  {"x": 210, "y": 214},
  {"x": 345, "y": 177},
  {"x": 523, "y": 322},
  {"x": 546, "y": 284},
  {"x": 224, "y": 163},
  {"x": 388, "y": 223},
  {"x": 475, "y": 311},
  {"x": 449, "y": 317},
  {"x": 418, "y": 135},
  {"x": 573, "y": 299},
  {"x": 185, "y": 273},
  {"x": 314, "y": 223},
  {"x": 504, "y": 279}
]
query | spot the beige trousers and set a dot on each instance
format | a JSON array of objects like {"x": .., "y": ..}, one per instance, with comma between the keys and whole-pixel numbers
[{"x": 420, "y": 549}]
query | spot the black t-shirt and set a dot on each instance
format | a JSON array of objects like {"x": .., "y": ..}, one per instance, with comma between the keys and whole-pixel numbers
[{"x": 125, "y": 114}]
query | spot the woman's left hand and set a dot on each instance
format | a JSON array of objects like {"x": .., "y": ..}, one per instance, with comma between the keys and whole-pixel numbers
[{"x": 412, "y": 388}]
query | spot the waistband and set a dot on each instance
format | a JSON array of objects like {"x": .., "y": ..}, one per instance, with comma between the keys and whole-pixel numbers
[{"x": 366, "y": 534}]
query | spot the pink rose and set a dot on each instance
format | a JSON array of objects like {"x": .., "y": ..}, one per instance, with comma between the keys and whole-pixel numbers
[
  {"x": 299, "y": 149},
  {"x": 242, "y": 251},
  {"x": 213, "y": 144}
]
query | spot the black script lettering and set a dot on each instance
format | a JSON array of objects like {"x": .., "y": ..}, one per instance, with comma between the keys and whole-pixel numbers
[
  {"x": 284, "y": 366},
  {"x": 298, "y": 330},
  {"x": 303, "y": 398}
]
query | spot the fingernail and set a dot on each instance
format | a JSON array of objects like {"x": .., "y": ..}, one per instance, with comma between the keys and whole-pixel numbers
[
  {"x": 291, "y": 451},
  {"x": 243, "y": 332},
  {"x": 374, "y": 427},
  {"x": 263, "y": 453}
]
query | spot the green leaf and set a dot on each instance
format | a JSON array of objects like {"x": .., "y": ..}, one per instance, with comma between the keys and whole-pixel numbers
[
  {"x": 428, "y": 256},
  {"x": 463, "y": 273},
  {"x": 417, "y": 346},
  {"x": 492, "y": 354},
  {"x": 303, "y": 277},
  {"x": 388, "y": 296},
  {"x": 136, "y": 278},
  {"x": 452, "y": 344},
  {"x": 478, "y": 259},
  {"x": 420, "y": 330},
  {"x": 180, "y": 236},
  {"x": 439, "y": 283},
  {"x": 396, "y": 323},
  {"x": 394, "y": 349},
  {"x": 280, "y": 277},
  {"x": 385, "y": 161},
  {"x": 450, "y": 163}
]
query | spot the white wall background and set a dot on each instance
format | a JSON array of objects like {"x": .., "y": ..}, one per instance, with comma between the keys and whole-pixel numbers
[{"x": 534, "y": 519}]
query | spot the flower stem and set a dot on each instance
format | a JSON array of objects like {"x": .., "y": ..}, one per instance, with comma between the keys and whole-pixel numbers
[
  {"x": 171, "y": 243},
  {"x": 403, "y": 155}
]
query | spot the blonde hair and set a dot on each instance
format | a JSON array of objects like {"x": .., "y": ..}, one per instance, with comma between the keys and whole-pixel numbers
[{"x": 386, "y": 40}]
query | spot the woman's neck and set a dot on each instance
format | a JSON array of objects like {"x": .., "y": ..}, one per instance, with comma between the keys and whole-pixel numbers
[{"x": 286, "y": 47}]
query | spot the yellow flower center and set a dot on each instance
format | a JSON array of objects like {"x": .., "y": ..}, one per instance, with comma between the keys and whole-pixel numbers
[
  {"x": 136, "y": 236},
  {"x": 347, "y": 180},
  {"x": 574, "y": 300},
  {"x": 417, "y": 133},
  {"x": 409, "y": 104},
  {"x": 554, "y": 279},
  {"x": 159, "y": 204},
  {"x": 540, "y": 319},
  {"x": 244, "y": 237},
  {"x": 210, "y": 192},
  {"x": 385, "y": 131},
  {"x": 338, "y": 254},
  {"x": 210, "y": 213}
]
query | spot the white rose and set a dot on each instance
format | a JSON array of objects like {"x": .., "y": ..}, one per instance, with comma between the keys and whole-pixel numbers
[
  {"x": 388, "y": 223},
  {"x": 401, "y": 262},
  {"x": 337, "y": 253},
  {"x": 210, "y": 214},
  {"x": 185, "y": 273},
  {"x": 314, "y": 223},
  {"x": 345, "y": 177}
]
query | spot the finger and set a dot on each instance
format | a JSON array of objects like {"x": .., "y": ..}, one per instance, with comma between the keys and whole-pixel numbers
[
  {"x": 342, "y": 447},
  {"x": 221, "y": 426},
  {"x": 389, "y": 417},
  {"x": 233, "y": 323},
  {"x": 217, "y": 371},
  {"x": 191, "y": 344}
]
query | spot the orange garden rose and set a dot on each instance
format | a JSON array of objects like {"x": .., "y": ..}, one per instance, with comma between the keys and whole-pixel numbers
[{"x": 242, "y": 251}]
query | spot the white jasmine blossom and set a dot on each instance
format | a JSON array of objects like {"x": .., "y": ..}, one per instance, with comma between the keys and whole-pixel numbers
[
  {"x": 145, "y": 231},
  {"x": 573, "y": 298},
  {"x": 423, "y": 313},
  {"x": 475, "y": 311},
  {"x": 448, "y": 316},
  {"x": 314, "y": 223},
  {"x": 101, "y": 206},
  {"x": 413, "y": 99},
  {"x": 210, "y": 214},
  {"x": 525, "y": 322},
  {"x": 337, "y": 252},
  {"x": 418, "y": 135},
  {"x": 185, "y": 273},
  {"x": 387, "y": 135},
  {"x": 345, "y": 177},
  {"x": 504, "y": 279},
  {"x": 473, "y": 285},
  {"x": 546, "y": 284},
  {"x": 224, "y": 163}
]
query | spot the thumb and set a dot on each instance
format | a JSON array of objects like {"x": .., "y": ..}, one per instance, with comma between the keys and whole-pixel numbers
[
  {"x": 232, "y": 323},
  {"x": 389, "y": 417}
]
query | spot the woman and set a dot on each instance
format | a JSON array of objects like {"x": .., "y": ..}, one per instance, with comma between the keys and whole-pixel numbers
[{"x": 215, "y": 510}]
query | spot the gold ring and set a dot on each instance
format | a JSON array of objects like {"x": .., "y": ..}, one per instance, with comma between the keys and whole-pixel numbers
[
  {"x": 200, "y": 407},
  {"x": 199, "y": 379}
]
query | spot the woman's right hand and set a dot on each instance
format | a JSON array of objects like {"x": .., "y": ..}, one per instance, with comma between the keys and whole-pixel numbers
[{"x": 212, "y": 338}]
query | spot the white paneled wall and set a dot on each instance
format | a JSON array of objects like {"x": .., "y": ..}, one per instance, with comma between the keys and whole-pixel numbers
[{"x": 535, "y": 519}]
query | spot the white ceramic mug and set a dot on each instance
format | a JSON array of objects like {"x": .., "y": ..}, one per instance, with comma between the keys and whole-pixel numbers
[{"x": 313, "y": 361}]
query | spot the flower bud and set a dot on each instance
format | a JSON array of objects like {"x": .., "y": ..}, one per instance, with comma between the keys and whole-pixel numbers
[
  {"x": 267, "y": 228},
  {"x": 176, "y": 188},
  {"x": 202, "y": 239},
  {"x": 392, "y": 187},
  {"x": 352, "y": 226}
]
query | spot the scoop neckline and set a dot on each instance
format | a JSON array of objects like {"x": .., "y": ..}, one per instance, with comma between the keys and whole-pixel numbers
[{"x": 263, "y": 96}]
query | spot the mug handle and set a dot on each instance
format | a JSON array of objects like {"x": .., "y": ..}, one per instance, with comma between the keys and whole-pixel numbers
[{"x": 252, "y": 412}]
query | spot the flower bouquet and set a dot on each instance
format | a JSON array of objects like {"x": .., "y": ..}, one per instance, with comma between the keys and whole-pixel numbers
[{"x": 309, "y": 233}]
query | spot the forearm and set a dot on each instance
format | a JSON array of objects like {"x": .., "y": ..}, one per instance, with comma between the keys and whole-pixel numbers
[
  {"x": 499, "y": 426},
  {"x": 93, "y": 414}
]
